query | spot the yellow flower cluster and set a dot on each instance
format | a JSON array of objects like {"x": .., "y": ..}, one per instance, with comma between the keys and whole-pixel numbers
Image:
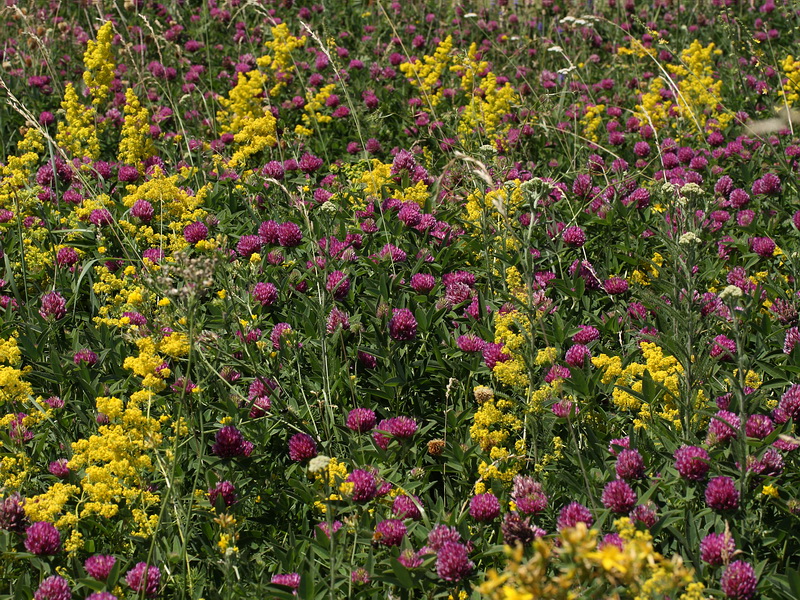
[
  {"x": 113, "y": 464},
  {"x": 174, "y": 208},
  {"x": 14, "y": 470},
  {"x": 697, "y": 93},
  {"x": 17, "y": 171},
  {"x": 334, "y": 476},
  {"x": 13, "y": 389},
  {"x": 512, "y": 329},
  {"x": 244, "y": 114},
  {"x": 315, "y": 103},
  {"x": 375, "y": 178},
  {"x": 135, "y": 144},
  {"x": 664, "y": 370},
  {"x": 493, "y": 423},
  {"x": 77, "y": 133},
  {"x": 470, "y": 69},
  {"x": 9, "y": 351},
  {"x": 145, "y": 364},
  {"x": 648, "y": 271},
  {"x": 244, "y": 102},
  {"x": 417, "y": 193},
  {"x": 282, "y": 46},
  {"x": 98, "y": 62},
  {"x": 653, "y": 110},
  {"x": 578, "y": 568},
  {"x": 500, "y": 457},
  {"x": 496, "y": 203},
  {"x": 426, "y": 74},
  {"x": 592, "y": 120},
  {"x": 484, "y": 114},
  {"x": 547, "y": 391},
  {"x": 637, "y": 49},
  {"x": 175, "y": 345},
  {"x": 49, "y": 505},
  {"x": 791, "y": 87},
  {"x": 255, "y": 137}
]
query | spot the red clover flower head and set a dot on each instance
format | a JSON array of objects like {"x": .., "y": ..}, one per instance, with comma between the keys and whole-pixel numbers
[
  {"x": 630, "y": 465},
  {"x": 53, "y": 307},
  {"x": 691, "y": 462},
  {"x": 265, "y": 293},
  {"x": 290, "y": 580},
  {"x": 717, "y": 548},
  {"x": 54, "y": 587},
  {"x": 389, "y": 533},
  {"x": 142, "y": 578},
  {"x": 618, "y": 496},
  {"x": 403, "y": 325},
  {"x": 739, "y": 581},
  {"x": 484, "y": 507},
  {"x": 42, "y": 538},
  {"x": 572, "y": 514},
  {"x": 452, "y": 562},
  {"x": 365, "y": 487},
  {"x": 302, "y": 447},
  {"x": 361, "y": 420},
  {"x": 721, "y": 494},
  {"x": 527, "y": 494}
]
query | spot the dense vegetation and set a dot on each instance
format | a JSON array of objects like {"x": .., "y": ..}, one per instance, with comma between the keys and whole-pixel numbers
[{"x": 374, "y": 299}]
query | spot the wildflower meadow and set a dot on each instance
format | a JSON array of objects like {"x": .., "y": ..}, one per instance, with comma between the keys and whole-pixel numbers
[{"x": 399, "y": 300}]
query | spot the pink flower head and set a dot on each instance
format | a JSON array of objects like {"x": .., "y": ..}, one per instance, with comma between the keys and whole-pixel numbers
[
  {"x": 484, "y": 507},
  {"x": 338, "y": 285},
  {"x": 789, "y": 406},
  {"x": 586, "y": 334},
  {"x": 361, "y": 420},
  {"x": 365, "y": 487},
  {"x": 54, "y": 587},
  {"x": 572, "y": 514},
  {"x": 42, "y": 538},
  {"x": 302, "y": 447},
  {"x": 574, "y": 236},
  {"x": 402, "y": 325},
  {"x": 290, "y": 580},
  {"x": 143, "y": 210},
  {"x": 691, "y": 462},
  {"x": 721, "y": 494},
  {"x": 615, "y": 285},
  {"x": 195, "y": 232},
  {"x": 289, "y": 235},
  {"x": 406, "y": 507},
  {"x": 527, "y": 494},
  {"x": 54, "y": 306},
  {"x": 230, "y": 442},
  {"x": 389, "y": 532},
  {"x": 763, "y": 246},
  {"x": 470, "y": 343},
  {"x": 422, "y": 283},
  {"x": 577, "y": 355},
  {"x": 452, "y": 562},
  {"x": 99, "y": 566},
  {"x": 630, "y": 465},
  {"x": 717, "y": 548},
  {"x": 645, "y": 514},
  {"x": 723, "y": 426},
  {"x": 401, "y": 428},
  {"x": 723, "y": 348},
  {"x": 618, "y": 496},
  {"x": 224, "y": 490},
  {"x": 739, "y": 581},
  {"x": 265, "y": 294}
]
